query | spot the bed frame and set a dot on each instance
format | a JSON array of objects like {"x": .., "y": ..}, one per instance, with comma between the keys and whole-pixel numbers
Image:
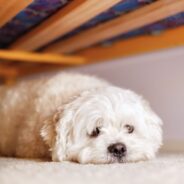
[{"x": 42, "y": 35}]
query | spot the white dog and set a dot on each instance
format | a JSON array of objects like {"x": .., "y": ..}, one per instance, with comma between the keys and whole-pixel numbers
[{"x": 74, "y": 117}]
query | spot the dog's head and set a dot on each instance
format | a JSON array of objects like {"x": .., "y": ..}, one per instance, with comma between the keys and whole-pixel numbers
[{"x": 105, "y": 125}]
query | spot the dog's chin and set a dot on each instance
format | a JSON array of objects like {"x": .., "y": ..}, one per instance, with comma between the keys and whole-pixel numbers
[
  {"x": 106, "y": 160},
  {"x": 113, "y": 160}
]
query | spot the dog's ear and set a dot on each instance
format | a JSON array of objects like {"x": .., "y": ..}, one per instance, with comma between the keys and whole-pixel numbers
[
  {"x": 151, "y": 116},
  {"x": 154, "y": 122},
  {"x": 55, "y": 133},
  {"x": 48, "y": 132},
  {"x": 57, "y": 130}
]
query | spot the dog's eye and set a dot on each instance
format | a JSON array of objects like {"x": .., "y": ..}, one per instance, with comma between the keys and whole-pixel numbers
[
  {"x": 95, "y": 132},
  {"x": 129, "y": 128}
]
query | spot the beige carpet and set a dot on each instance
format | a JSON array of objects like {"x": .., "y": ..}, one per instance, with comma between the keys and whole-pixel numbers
[{"x": 166, "y": 169}]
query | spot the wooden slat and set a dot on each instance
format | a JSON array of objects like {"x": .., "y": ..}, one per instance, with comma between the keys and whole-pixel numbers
[
  {"x": 41, "y": 58},
  {"x": 12, "y": 70},
  {"x": 64, "y": 21},
  {"x": 141, "y": 44},
  {"x": 136, "y": 19},
  {"x": 8, "y": 71},
  {"x": 10, "y": 8}
]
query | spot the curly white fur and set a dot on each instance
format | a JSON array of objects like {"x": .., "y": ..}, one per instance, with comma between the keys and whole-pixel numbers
[{"x": 54, "y": 118}]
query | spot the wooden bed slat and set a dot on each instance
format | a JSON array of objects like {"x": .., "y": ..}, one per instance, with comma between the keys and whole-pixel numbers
[
  {"x": 10, "y": 8},
  {"x": 168, "y": 39},
  {"x": 7, "y": 71},
  {"x": 123, "y": 24},
  {"x": 64, "y": 21},
  {"x": 41, "y": 58}
]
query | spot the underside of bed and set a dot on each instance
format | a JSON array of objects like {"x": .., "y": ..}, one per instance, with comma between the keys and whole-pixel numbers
[{"x": 42, "y": 35}]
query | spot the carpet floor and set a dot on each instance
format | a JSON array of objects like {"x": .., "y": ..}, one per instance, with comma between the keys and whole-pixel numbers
[{"x": 165, "y": 169}]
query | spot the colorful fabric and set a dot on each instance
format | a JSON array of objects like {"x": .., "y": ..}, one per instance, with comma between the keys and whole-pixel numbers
[
  {"x": 153, "y": 29},
  {"x": 34, "y": 14},
  {"x": 123, "y": 7},
  {"x": 39, "y": 10}
]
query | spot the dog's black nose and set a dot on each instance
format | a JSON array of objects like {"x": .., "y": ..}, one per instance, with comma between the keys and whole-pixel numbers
[{"x": 117, "y": 150}]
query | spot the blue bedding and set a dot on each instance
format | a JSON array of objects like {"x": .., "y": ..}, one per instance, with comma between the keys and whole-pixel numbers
[{"x": 39, "y": 10}]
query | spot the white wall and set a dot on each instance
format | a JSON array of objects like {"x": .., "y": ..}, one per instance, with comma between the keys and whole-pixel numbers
[{"x": 159, "y": 77}]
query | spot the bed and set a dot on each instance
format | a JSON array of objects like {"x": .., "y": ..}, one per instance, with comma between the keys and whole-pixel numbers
[{"x": 39, "y": 35}]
